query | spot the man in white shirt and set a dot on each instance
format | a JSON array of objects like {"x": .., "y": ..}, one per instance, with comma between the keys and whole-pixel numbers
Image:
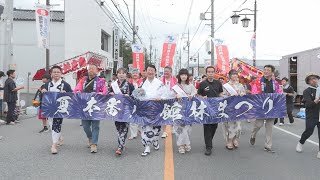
[{"x": 154, "y": 89}]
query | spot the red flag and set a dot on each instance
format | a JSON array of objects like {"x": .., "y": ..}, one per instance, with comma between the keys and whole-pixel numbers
[
  {"x": 169, "y": 48},
  {"x": 223, "y": 58},
  {"x": 138, "y": 57}
]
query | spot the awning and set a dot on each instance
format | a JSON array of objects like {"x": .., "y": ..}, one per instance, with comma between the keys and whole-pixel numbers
[{"x": 76, "y": 64}]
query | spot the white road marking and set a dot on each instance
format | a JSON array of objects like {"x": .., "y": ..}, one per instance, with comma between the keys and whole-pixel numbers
[{"x": 288, "y": 132}]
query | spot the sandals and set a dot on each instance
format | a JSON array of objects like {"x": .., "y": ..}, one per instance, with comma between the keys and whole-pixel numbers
[
  {"x": 236, "y": 144},
  {"x": 182, "y": 150},
  {"x": 119, "y": 151}
]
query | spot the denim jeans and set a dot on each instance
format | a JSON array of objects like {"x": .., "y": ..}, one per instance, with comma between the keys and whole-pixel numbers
[{"x": 91, "y": 128}]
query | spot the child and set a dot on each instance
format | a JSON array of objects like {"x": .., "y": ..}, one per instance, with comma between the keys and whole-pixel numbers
[{"x": 37, "y": 102}]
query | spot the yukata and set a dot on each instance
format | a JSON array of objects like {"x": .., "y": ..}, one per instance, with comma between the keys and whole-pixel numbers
[
  {"x": 232, "y": 130},
  {"x": 154, "y": 90},
  {"x": 183, "y": 131},
  {"x": 123, "y": 127},
  {"x": 132, "y": 126},
  {"x": 58, "y": 86}
]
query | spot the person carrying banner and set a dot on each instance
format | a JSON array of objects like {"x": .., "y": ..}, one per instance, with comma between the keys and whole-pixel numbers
[
  {"x": 56, "y": 85},
  {"x": 288, "y": 91},
  {"x": 169, "y": 81},
  {"x": 92, "y": 84},
  {"x": 183, "y": 131},
  {"x": 135, "y": 81},
  {"x": 265, "y": 85},
  {"x": 153, "y": 89},
  {"x": 121, "y": 86},
  {"x": 232, "y": 130},
  {"x": 208, "y": 89},
  {"x": 37, "y": 102},
  {"x": 312, "y": 104}
]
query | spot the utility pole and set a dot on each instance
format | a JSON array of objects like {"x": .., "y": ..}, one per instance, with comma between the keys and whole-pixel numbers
[
  {"x": 180, "y": 60},
  {"x": 255, "y": 29},
  {"x": 151, "y": 48},
  {"x": 198, "y": 64},
  {"x": 212, "y": 33},
  {"x": 8, "y": 21},
  {"x": 48, "y": 50},
  {"x": 134, "y": 22},
  {"x": 155, "y": 56},
  {"x": 188, "y": 44}
]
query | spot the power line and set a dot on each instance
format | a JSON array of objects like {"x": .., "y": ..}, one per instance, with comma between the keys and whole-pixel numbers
[
  {"x": 127, "y": 10},
  {"x": 200, "y": 24},
  {"x": 221, "y": 26},
  {"x": 112, "y": 18},
  {"x": 133, "y": 29},
  {"x": 188, "y": 18}
]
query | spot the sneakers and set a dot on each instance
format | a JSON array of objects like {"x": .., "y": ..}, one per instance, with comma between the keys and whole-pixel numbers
[
  {"x": 187, "y": 148},
  {"x": 2, "y": 122},
  {"x": 281, "y": 124},
  {"x": 54, "y": 149},
  {"x": 45, "y": 129},
  {"x": 156, "y": 145},
  {"x": 269, "y": 150},
  {"x": 208, "y": 152},
  {"x": 318, "y": 156},
  {"x": 146, "y": 151},
  {"x": 11, "y": 123},
  {"x": 299, "y": 148},
  {"x": 252, "y": 141},
  {"x": 182, "y": 150},
  {"x": 93, "y": 148},
  {"x": 17, "y": 121},
  {"x": 164, "y": 135}
]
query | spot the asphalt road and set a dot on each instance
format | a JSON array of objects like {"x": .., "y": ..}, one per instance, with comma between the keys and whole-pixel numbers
[{"x": 25, "y": 154}]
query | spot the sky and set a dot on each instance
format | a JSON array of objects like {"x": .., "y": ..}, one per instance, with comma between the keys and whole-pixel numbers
[{"x": 283, "y": 27}]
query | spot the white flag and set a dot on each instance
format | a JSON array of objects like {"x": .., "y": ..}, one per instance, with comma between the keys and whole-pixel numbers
[{"x": 43, "y": 25}]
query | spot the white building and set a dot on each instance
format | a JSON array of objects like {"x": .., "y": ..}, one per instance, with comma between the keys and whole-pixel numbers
[
  {"x": 83, "y": 26},
  {"x": 26, "y": 55},
  {"x": 88, "y": 28}
]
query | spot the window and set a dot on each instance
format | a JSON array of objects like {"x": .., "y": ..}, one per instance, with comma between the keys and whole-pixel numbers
[{"x": 105, "y": 38}]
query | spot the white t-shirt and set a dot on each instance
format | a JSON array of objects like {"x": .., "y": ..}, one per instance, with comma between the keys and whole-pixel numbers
[
  {"x": 153, "y": 89},
  {"x": 169, "y": 93}
]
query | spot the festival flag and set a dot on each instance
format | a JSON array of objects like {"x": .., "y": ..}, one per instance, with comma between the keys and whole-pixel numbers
[
  {"x": 138, "y": 57},
  {"x": 223, "y": 58},
  {"x": 169, "y": 48},
  {"x": 43, "y": 25}
]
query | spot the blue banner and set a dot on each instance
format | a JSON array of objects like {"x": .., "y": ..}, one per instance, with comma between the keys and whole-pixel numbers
[{"x": 185, "y": 111}]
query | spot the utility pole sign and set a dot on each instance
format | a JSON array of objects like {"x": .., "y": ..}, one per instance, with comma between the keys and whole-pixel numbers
[{"x": 116, "y": 43}]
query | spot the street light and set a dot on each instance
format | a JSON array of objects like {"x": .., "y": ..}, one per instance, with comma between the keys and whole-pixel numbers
[
  {"x": 235, "y": 18},
  {"x": 245, "y": 23}
]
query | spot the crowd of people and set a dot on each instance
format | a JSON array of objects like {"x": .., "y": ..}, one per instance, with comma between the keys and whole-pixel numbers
[{"x": 163, "y": 88}]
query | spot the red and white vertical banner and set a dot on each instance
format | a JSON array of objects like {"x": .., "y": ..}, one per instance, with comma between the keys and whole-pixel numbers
[
  {"x": 43, "y": 25},
  {"x": 138, "y": 56},
  {"x": 223, "y": 58},
  {"x": 168, "y": 51}
]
